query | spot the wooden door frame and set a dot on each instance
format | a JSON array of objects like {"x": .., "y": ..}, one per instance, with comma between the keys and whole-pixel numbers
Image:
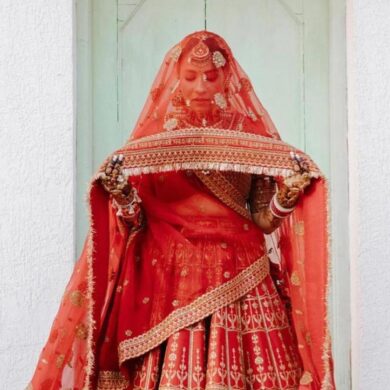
[{"x": 87, "y": 53}]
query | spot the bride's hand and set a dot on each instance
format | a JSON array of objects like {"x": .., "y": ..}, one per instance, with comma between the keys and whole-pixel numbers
[
  {"x": 114, "y": 181},
  {"x": 293, "y": 186}
]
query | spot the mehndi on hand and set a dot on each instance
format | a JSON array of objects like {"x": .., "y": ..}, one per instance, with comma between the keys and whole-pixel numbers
[
  {"x": 291, "y": 188},
  {"x": 125, "y": 197},
  {"x": 114, "y": 181}
]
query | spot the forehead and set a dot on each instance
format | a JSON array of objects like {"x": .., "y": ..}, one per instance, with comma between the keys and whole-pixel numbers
[{"x": 186, "y": 65}]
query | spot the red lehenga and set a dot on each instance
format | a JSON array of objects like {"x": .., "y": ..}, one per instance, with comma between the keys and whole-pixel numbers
[{"x": 191, "y": 300}]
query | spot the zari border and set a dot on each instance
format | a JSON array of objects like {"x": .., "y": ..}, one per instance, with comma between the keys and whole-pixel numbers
[
  {"x": 112, "y": 380},
  {"x": 200, "y": 308},
  {"x": 225, "y": 191},
  {"x": 90, "y": 288},
  {"x": 327, "y": 381},
  {"x": 215, "y": 149}
]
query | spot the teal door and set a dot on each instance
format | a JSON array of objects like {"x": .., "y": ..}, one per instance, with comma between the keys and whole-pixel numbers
[{"x": 281, "y": 44}]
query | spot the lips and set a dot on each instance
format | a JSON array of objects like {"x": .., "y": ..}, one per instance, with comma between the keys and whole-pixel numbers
[{"x": 200, "y": 100}]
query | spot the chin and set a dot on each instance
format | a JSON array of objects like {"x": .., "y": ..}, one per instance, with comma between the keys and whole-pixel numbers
[{"x": 201, "y": 110}]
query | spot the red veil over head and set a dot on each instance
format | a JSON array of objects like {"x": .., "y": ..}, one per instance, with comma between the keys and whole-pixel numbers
[{"x": 167, "y": 137}]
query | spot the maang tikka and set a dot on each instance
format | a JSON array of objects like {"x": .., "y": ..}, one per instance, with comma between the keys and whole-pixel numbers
[{"x": 201, "y": 55}]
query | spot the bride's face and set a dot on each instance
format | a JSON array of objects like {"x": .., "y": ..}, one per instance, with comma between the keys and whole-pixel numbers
[{"x": 199, "y": 85}]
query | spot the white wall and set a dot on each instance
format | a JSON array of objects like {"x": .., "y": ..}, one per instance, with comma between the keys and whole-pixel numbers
[
  {"x": 369, "y": 143},
  {"x": 36, "y": 176}
]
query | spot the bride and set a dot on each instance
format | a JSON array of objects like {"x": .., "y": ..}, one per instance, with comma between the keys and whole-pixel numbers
[{"x": 176, "y": 287}]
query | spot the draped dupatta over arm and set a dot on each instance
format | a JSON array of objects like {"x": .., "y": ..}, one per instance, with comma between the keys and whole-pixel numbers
[{"x": 243, "y": 140}]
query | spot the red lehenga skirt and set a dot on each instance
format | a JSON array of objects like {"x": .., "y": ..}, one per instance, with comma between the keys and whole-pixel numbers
[{"x": 249, "y": 343}]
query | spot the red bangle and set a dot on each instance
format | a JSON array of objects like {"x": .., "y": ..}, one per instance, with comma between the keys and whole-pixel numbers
[{"x": 279, "y": 211}]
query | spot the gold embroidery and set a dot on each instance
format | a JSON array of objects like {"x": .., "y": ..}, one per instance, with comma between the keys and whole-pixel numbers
[
  {"x": 112, "y": 380},
  {"x": 76, "y": 298},
  {"x": 175, "y": 303},
  {"x": 306, "y": 378},
  {"x": 232, "y": 188},
  {"x": 208, "y": 148},
  {"x": 195, "y": 311},
  {"x": 175, "y": 53},
  {"x": 295, "y": 279},
  {"x": 299, "y": 228},
  {"x": 146, "y": 300},
  {"x": 60, "y": 360},
  {"x": 81, "y": 331}
]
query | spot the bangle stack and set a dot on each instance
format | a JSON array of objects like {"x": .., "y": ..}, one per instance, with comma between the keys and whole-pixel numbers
[
  {"x": 278, "y": 210},
  {"x": 128, "y": 210}
]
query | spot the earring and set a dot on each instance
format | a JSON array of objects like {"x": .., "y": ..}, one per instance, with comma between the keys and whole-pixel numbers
[{"x": 220, "y": 101}]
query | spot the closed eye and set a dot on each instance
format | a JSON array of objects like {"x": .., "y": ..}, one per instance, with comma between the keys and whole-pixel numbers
[
  {"x": 212, "y": 75},
  {"x": 190, "y": 76}
]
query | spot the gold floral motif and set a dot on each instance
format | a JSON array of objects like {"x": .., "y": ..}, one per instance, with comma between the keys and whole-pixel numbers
[
  {"x": 306, "y": 378},
  {"x": 112, "y": 380},
  {"x": 299, "y": 228},
  {"x": 81, "y": 331},
  {"x": 252, "y": 115},
  {"x": 175, "y": 303},
  {"x": 146, "y": 300},
  {"x": 60, "y": 360},
  {"x": 295, "y": 279},
  {"x": 76, "y": 298},
  {"x": 170, "y": 124},
  {"x": 195, "y": 311}
]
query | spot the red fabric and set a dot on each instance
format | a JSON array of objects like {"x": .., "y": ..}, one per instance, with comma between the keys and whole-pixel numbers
[
  {"x": 193, "y": 243},
  {"x": 248, "y": 344}
]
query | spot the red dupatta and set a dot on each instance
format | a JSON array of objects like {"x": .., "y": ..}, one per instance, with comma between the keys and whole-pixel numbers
[{"x": 245, "y": 140}]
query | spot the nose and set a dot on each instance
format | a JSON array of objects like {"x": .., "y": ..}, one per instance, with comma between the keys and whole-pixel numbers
[{"x": 200, "y": 87}]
